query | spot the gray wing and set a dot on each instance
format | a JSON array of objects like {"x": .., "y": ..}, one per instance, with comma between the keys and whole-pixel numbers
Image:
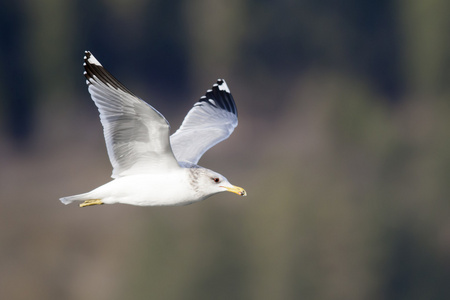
[
  {"x": 136, "y": 135},
  {"x": 211, "y": 120}
]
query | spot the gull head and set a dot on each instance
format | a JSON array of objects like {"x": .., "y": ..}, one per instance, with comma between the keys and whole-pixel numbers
[{"x": 210, "y": 183}]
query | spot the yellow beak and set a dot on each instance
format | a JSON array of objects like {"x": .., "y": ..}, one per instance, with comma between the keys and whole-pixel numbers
[{"x": 237, "y": 190}]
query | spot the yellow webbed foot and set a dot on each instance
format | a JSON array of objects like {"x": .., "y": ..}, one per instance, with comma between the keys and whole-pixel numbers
[{"x": 91, "y": 202}]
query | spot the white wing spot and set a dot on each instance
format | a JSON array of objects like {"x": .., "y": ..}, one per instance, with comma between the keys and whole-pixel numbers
[
  {"x": 224, "y": 87},
  {"x": 92, "y": 60},
  {"x": 212, "y": 102}
]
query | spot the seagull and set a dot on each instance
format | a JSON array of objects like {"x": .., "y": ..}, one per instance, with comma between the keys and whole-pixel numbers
[{"x": 150, "y": 167}]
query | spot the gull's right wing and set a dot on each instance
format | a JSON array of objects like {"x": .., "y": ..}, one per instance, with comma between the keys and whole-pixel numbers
[{"x": 211, "y": 120}]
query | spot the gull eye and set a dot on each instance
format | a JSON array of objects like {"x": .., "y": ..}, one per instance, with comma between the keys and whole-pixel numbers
[{"x": 216, "y": 179}]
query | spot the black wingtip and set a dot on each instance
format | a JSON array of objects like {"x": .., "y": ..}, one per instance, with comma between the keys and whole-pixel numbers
[
  {"x": 87, "y": 55},
  {"x": 94, "y": 71},
  {"x": 220, "y": 96}
]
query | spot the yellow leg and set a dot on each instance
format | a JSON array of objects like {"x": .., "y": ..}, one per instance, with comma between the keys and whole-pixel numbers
[{"x": 91, "y": 202}]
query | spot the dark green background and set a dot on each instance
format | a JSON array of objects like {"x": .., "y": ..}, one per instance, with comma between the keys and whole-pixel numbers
[{"x": 343, "y": 146}]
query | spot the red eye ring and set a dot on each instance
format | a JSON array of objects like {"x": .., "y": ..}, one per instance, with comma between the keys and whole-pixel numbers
[{"x": 216, "y": 180}]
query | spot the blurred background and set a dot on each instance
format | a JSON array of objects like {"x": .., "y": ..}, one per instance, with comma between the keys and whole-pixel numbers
[{"x": 342, "y": 145}]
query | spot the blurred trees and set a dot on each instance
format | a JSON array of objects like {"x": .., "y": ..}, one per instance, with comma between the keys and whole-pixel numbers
[
  {"x": 343, "y": 137},
  {"x": 424, "y": 27}
]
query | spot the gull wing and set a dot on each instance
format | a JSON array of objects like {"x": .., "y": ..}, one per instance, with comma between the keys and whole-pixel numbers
[
  {"x": 136, "y": 134},
  {"x": 211, "y": 120}
]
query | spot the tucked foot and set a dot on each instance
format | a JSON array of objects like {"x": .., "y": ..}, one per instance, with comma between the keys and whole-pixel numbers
[{"x": 91, "y": 202}]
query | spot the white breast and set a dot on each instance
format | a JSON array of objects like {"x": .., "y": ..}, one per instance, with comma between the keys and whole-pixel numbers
[{"x": 172, "y": 188}]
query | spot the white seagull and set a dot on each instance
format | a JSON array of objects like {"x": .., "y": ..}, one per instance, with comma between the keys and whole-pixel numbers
[{"x": 151, "y": 168}]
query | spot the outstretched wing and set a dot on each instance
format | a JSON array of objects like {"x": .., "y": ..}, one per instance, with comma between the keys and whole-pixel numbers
[
  {"x": 211, "y": 120},
  {"x": 136, "y": 134}
]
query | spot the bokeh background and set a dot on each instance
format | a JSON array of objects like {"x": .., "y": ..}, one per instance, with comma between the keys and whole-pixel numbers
[{"x": 343, "y": 146}]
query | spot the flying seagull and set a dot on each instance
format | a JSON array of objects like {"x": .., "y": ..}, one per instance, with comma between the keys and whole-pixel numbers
[{"x": 151, "y": 168}]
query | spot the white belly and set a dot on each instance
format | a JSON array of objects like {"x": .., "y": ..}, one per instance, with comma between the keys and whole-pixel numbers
[{"x": 148, "y": 190}]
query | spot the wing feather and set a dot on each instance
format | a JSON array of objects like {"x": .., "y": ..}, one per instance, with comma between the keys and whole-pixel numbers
[
  {"x": 211, "y": 120},
  {"x": 136, "y": 134}
]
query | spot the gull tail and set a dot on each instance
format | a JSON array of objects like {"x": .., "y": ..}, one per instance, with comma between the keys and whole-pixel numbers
[
  {"x": 86, "y": 197},
  {"x": 70, "y": 199}
]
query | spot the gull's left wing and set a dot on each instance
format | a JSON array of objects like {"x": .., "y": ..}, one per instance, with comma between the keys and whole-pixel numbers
[
  {"x": 136, "y": 134},
  {"x": 211, "y": 120}
]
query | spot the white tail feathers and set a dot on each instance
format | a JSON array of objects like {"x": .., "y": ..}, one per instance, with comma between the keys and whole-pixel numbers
[{"x": 70, "y": 199}]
